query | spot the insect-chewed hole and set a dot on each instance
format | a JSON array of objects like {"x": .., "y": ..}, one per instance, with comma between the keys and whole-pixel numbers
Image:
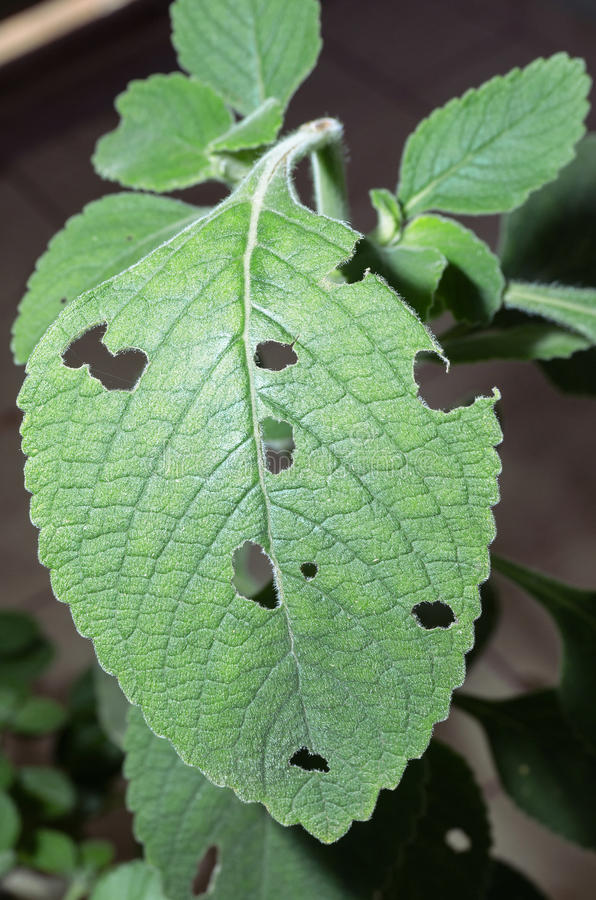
[
  {"x": 117, "y": 372},
  {"x": 434, "y": 615},
  {"x": 278, "y": 441},
  {"x": 457, "y": 840},
  {"x": 275, "y": 356},
  {"x": 203, "y": 880},
  {"x": 309, "y": 570},
  {"x": 253, "y": 575},
  {"x": 310, "y": 762}
]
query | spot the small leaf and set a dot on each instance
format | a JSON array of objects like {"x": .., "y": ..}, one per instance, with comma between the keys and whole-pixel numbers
[
  {"x": 6, "y": 772},
  {"x": 448, "y": 856},
  {"x": 10, "y": 822},
  {"x": 505, "y": 881},
  {"x": 485, "y": 152},
  {"x": 292, "y": 708},
  {"x": 551, "y": 238},
  {"x": 96, "y": 854},
  {"x": 133, "y": 881},
  {"x": 107, "y": 237},
  {"x": 518, "y": 342},
  {"x": 543, "y": 766},
  {"x": 24, "y": 651},
  {"x": 247, "y": 53},
  {"x": 574, "y": 612},
  {"x": 472, "y": 285},
  {"x": 167, "y": 124},
  {"x": 38, "y": 715},
  {"x": 54, "y": 852},
  {"x": 389, "y": 215},
  {"x": 573, "y": 308},
  {"x": 50, "y": 788},
  {"x": 112, "y": 706},
  {"x": 257, "y": 129}
]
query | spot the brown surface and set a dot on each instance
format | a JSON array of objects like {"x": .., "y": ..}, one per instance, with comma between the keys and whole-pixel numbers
[{"x": 381, "y": 71}]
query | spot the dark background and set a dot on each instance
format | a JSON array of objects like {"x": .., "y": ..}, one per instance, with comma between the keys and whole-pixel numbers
[{"x": 384, "y": 66}]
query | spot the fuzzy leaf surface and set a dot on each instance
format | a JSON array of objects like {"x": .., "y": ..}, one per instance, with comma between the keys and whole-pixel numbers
[
  {"x": 484, "y": 152},
  {"x": 249, "y": 50},
  {"x": 108, "y": 236},
  {"x": 258, "y": 128},
  {"x": 143, "y": 496},
  {"x": 573, "y": 308}
]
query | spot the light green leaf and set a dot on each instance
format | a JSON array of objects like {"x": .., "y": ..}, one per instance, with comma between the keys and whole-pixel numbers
[
  {"x": 472, "y": 285},
  {"x": 519, "y": 342},
  {"x": 54, "y": 852},
  {"x": 414, "y": 272},
  {"x": 112, "y": 705},
  {"x": 505, "y": 881},
  {"x": 149, "y": 492},
  {"x": 38, "y": 715},
  {"x": 257, "y": 129},
  {"x": 179, "y": 815},
  {"x": 107, "y": 237},
  {"x": 448, "y": 856},
  {"x": 574, "y": 308},
  {"x": 249, "y": 51},
  {"x": 543, "y": 766},
  {"x": 574, "y": 612},
  {"x": 162, "y": 142},
  {"x": 10, "y": 822},
  {"x": 96, "y": 853},
  {"x": 551, "y": 238},
  {"x": 485, "y": 152},
  {"x": 389, "y": 215},
  {"x": 133, "y": 881},
  {"x": 50, "y": 788}
]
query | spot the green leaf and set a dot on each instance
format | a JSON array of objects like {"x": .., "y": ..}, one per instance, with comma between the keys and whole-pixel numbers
[
  {"x": 133, "y": 881},
  {"x": 6, "y": 772},
  {"x": 10, "y": 822},
  {"x": 486, "y": 624},
  {"x": 576, "y": 375},
  {"x": 162, "y": 142},
  {"x": 50, "y": 788},
  {"x": 150, "y": 492},
  {"x": 248, "y": 52},
  {"x": 573, "y": 308},
  {"x": 414, "y": 272},
  {"x": 179, "y": 815},
  {"x": 112, "y": 706},
  {"x": 472, "y": 285},
  {"x": 574, "y": 612},
  {"x": 107, "y": 237},
  {"x": 7, "y": 861},
  {"x": 518, "y": 342},
  {"x": 543, "y": 766},
  {"x": 448, "y": 856},
  {"x": 257, "y": 129},
  {"x": 389, "y": 215},
  {"x": 54, "y": 852},
  {"x": 96, "y": 853},
  {"x": 486, "y": 151},
  {"x": 24, "y": 651},
  {"x": 551, "y": 238},
  {"x": 38, "y": 715},
  {"x": 505, "y": 881}
]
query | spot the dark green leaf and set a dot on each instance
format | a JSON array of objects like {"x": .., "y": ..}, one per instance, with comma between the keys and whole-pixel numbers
[
  {"x": 10, "y": 822},
  {"x": 576, "y": 375},
  {"x": 529, "y": 341},
  {"x": 486, "y": 623},
  {"x": 6, "y": 772},
  {"x": 50, "y": 789},
  {"x": 573, "y": 308},
  {"x": 38, "y": 715},
  {"x": 506, "y": 883},
  {"x": 24, "y": 651}
]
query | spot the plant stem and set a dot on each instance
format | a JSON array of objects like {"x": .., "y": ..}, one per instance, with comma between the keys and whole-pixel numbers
[{"x": 329, "y": 178}]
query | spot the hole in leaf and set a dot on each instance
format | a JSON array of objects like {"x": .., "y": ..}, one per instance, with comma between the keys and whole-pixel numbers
[
  {"x": 310, "y": 762},
  {"x": 253, "y": 575},
  {"x": 205, "y": 870},
  {"x": 309, "y": 570},
  {"x": 434, "y": 615},
  {"x": 117, "y": 372},
  {"x": 62, "y": 299},
  {"x": 275, "y": 356},
  {"x": 457, "y": 840},
  {"x": 278, "y": 441}
]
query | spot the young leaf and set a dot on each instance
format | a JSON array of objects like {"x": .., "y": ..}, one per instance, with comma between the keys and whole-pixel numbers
[
  {"x": 179, "y": 815},
  {"x": 574, "y": 612},
  {"x": 24, "y": 651},
  {"x": 38, "y": 715},
  {"x": 107, "y": 237},
  {"x": 6, "y": 772},
  {"x": 389, "y": 215},
  {"x": 486, "y": 151},
  {"x": 505, "y": 881},
  {"x": 50, "y": 788},
  {"x": 448, "y": 856},
  {"x": 162, "y": 142},
  {"x": 149, "y": 492},
  {"x": 133, "y": 881},
  {"x": 472, "y": 285},
  {"x": 10, "y": 822},
  {"x": 248, "y": 52},
  {"x": 257, "y": 129},
  {"x": 551, "y": 238},
  {"x": 528, "y": 342},
  {"x": 544, "y": 767},
  {"x": 573, "y": 308},
  {"x": 54, "y": 852}
]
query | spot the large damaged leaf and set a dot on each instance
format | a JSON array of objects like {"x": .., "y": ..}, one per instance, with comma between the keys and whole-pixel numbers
[{"x": 375, "y": 528}]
